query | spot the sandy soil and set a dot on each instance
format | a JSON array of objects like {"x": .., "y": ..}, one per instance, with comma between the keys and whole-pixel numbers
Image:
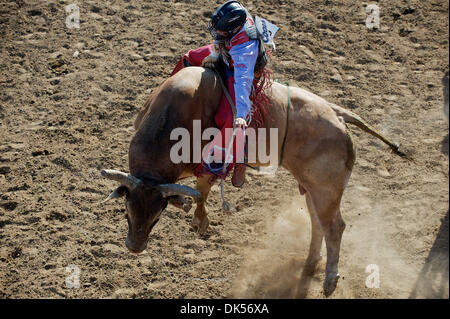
[{"x": 63, "y": 118}]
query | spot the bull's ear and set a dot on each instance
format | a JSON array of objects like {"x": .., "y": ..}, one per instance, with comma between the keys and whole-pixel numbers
[{"x": 118, "y": 192}]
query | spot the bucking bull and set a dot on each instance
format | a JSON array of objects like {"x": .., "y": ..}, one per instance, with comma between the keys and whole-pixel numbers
[{"x": 318, "y": 152}]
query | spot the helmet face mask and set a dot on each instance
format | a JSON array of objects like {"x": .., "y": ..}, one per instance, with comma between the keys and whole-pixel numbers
[{"x": 227, "y": 20}]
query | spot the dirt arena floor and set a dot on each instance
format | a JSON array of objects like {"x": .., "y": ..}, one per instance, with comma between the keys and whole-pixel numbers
[{"x": 64, "y": 117}]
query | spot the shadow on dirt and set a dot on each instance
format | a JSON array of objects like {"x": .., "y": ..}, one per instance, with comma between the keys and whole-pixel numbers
[
  {"x": 434, "y": 278},
  {"x": 444, "y": 147}
]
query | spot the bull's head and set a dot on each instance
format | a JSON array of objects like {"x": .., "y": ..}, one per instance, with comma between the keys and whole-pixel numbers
[{"x": 144, "y": 204}]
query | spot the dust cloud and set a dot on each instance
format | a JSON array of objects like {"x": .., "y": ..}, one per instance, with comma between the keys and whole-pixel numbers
[
  {"x": 372, "y": 259},
  {"x": 274, "y": 269}
]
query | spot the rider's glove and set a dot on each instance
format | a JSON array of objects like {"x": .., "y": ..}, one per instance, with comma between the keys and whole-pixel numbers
[
  {"x": 211, "y": 60},
  {"x": 240, "y": 122}
]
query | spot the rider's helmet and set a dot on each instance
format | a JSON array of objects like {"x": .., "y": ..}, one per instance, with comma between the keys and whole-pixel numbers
[{"x": 227, "y": 20}]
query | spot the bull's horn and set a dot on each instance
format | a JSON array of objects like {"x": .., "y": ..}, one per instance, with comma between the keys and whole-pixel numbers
[
  {"x": 177, "y": 189},
  {"x": 125, "y": 179}
]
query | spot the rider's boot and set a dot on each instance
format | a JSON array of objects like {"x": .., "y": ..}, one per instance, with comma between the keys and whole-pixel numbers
[{"x": 238, "y": 178}]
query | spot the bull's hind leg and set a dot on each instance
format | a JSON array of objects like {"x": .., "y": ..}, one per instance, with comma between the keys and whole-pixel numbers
[
  {"x": 316, "y": 238},
  {"x": 200, "y": 221},
  {"x": 326, "y": 204}
]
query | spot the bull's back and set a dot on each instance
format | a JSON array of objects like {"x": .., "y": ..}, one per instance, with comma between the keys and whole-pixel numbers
[{"x": 310, "y": 116}]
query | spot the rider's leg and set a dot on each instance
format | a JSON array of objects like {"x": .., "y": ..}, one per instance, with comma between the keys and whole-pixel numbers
[
  {"x": 225, "y": 117},
  {"x": 192, "y": 58}
]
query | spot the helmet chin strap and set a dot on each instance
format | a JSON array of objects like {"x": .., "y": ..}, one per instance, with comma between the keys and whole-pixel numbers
[{"x": 237, "y": 29}]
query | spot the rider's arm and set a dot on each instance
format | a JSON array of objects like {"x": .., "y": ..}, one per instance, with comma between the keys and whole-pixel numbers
[{"x": 244, "y": 58}]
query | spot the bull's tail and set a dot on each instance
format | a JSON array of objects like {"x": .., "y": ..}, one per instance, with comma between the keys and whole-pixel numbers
[{"x": 352, "y": 118}]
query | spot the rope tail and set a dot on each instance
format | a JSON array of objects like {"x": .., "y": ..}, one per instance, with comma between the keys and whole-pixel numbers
[{"x": 352, "y": 118}]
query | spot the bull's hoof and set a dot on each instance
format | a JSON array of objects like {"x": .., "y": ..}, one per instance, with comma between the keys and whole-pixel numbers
[
  {"x": 200, "y": 225},
  {"x": 187, "y": 205},
  {"x": 330, "y": 284}
]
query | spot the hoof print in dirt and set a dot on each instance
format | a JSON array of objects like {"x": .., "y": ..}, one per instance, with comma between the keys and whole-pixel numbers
[
  {"x": 5, "y": 170},
  {"x": 39, "y": 153},
  {"x": 56, "y": 216},
  {"x": 9, "y": 206}
]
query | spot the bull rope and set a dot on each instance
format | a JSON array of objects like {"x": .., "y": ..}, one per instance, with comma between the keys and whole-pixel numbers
[{"x": 226, "y": 207}]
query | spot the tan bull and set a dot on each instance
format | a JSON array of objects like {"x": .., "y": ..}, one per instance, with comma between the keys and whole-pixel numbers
[{"x": 318, "y": 152}]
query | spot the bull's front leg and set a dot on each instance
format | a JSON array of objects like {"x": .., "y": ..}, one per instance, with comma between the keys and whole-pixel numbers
[{"x": 200, "y": 221}]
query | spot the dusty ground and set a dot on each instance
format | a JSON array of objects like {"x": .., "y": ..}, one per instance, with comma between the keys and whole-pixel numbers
[{"x": 63, "y": 118}]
